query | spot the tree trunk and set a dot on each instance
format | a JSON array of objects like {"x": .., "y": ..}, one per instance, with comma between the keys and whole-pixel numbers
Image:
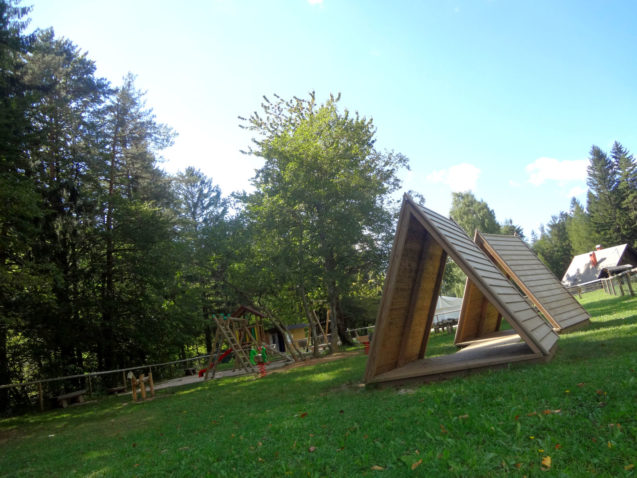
[
  {"x": 4, "y": 368},
  {"x": 310, "y": 319}
]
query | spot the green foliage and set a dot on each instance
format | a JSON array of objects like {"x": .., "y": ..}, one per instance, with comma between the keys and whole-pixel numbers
[
  {"x": 578, "y": 227},
  {"x": 472, "y": 215},
  {"x": 453, "y": 280},
  {"x": 554, "y": 247},
  {"x": 612, "y": 196},
  {"x": 321, "y": 211}
]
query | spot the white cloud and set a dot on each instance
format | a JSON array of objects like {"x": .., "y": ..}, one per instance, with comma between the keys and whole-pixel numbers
[
  {"x": 576, "y": 191},
  {"x": 514, "y": 184},
  {"x": 460, "y": 177},
  {"x": 549, "y": 169}
]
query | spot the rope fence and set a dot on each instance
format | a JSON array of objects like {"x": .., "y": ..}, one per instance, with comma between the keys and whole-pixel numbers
[{"x": 93, "y": 382}]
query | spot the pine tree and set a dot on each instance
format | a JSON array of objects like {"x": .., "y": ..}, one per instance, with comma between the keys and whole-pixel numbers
[
  {"x": 603, "y": 201},
  {"x": 626, "y": 168},
  {"x": 578, "y": 227}
]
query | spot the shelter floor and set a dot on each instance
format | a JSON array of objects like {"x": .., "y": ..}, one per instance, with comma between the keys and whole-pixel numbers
[{"x": 483, "y": 354}]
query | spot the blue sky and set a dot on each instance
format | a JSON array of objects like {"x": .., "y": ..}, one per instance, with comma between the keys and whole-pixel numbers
[{"x": 503, "y": 98}]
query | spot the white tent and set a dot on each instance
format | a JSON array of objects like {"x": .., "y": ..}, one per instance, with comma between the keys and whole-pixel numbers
[{"x": 447, "y": 308}]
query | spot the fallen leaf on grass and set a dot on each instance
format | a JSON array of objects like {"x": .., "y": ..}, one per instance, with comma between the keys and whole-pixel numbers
[
  {"x": 531, "y": 414},
  {"x": 377, "y": 468},
  {"x": 303, "y": 415},
  {"x": 311, "y": 449},
  {"x": 558, "y": 446},
  {"x": 417, "y": 464},
  {"x": 443, "y": 429},
  {"x": 546, "y": 462},
  {"x": 462, "y": 417},
  {"x": 581, "y": 384},
  {"x": 629, "y": 467},
  {"x": 549, "y": 412},
  {"x": 260, "y": 459}
]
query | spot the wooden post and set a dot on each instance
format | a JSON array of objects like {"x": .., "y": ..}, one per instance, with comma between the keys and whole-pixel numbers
[
  {"x": 630, "y": 287},
  {"x": 41, "y": 397},
  {"x": 90, "y": 385},
  {"x": 124, "y": 381},
  {"x": 133, "y": 385},
  {"x": 151, "y": 383},
  {"x": 142, "y": 386}
]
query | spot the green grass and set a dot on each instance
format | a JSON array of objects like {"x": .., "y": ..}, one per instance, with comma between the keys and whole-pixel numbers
[{"x": 580, "y": 410}]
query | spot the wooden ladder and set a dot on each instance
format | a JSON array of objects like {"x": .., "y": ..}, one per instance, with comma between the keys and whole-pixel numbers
[{"x": 240, "y": 354}]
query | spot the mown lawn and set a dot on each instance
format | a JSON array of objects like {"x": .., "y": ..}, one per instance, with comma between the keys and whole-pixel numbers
[{"x": 576, "y": 414}]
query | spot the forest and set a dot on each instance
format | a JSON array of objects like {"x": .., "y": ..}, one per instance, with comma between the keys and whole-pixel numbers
[{"x": 108, "y": 261}]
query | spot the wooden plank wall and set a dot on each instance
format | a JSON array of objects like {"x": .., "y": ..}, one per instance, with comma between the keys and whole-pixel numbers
[
  {"x": 480, "y": 317},
  {"x": 529, "y": 273},
  {"x": 409, "y": 298},
  {"x": 492, "y": 283}
]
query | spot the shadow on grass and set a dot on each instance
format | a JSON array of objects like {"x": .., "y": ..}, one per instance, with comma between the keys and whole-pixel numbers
[
  {"x": 619, "y": 322},
  {"x": 611, "y": 305}
]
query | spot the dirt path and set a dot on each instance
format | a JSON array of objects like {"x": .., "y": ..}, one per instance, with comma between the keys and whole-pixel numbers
[{"x": 274, "y": 367}]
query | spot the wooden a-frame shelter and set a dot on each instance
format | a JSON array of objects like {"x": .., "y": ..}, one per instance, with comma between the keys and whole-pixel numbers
[
  {"x": 423, "y": 241},
  {"x": 517, "y": 261}
]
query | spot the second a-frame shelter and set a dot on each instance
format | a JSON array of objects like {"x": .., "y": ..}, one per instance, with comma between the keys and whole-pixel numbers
[
  {"x": 515, "y": 258},
  {"x": 424, "y": 240}
]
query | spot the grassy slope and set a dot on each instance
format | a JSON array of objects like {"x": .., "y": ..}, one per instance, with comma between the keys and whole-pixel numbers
[{"x": 580, "y": 410}]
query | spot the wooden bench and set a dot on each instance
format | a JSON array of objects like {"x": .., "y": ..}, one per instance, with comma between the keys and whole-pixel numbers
[
  {"x": 117, "y": 390},
  {"x": 78, "y": 395}
]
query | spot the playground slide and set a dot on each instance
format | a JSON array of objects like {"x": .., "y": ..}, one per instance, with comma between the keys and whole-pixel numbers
[{"x": 223, "y": 355}]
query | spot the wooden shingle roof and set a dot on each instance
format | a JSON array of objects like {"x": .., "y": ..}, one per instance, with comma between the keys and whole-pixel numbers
[
  {"x": 423, "y": 241},
  {"x": 516, "y": 259}
]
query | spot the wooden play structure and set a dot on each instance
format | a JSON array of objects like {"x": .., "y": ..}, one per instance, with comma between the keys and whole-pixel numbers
[
  {"x": 236, "y": 334},
  {"x": 517, "y": 261},
  {"x": 423, "y": 241}
]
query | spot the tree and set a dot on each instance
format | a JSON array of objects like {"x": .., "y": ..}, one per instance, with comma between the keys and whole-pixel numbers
[
  {"x": 603, "y": 202},
  {"x": 323, "y": 194},
  {"x": 472, "y": 215},
  {"x": 578, "y": 227},
  {"x": 553, "y": 247},
  {"x": 626, "y": 168},
  {"x": 510, "y": 229},
  {"x": 64, "y": 119},
  {"x": 612, "y": 195},
  {"x": 19, "y": 206},
  {"x": 204, "y": 231},
  {"x": 137, "y": 228}
]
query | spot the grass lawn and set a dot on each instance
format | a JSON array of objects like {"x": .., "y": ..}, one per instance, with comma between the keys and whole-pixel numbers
[{"x": 577, "y": 415}]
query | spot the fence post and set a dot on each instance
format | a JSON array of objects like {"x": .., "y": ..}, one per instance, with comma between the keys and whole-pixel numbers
[
  {"x": 151, "y": 383},
  {"x": 133, "y": 388},
  {"x": 41, "y": 397},
  {"x": 142, "y": 386}
]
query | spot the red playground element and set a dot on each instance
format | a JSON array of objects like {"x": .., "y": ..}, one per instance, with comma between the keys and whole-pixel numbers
[
  {"x": 366, "y": 344},
  {"x": 262, "y": 371},
  {"x": 223, "y": 355}
]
